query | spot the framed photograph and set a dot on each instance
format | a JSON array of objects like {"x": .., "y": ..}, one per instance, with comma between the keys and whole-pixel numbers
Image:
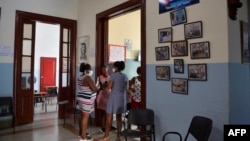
[
  {"x": 179, "y": 48},
  {"x": 197, "y": 72},
  {"x": 162, "y": 73},
  {"x": 178, "y": 66},
  {"x": 180, "y": 85},
  {"x": 193, "y": 30},
  {"x": 162, "y": 53},
  {"x": 200, "y": 50},
  {"x": 84, "y": 49},
  {"x": 178, "y": 17},
  {"x": 245, "y": 42},
  {"x": 165, "y": 35}
]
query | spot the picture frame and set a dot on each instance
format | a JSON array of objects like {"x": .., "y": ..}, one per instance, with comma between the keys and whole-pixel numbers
[
  {"x": 179, "y": 85},
  {"x": 193, "y": 30},
  {"x": 162, "y": 73},
  {"x": 245, "y": 39},
  {"x": 197, "y": 72},
  {"x": 200, "y": 50},
  {"x": 128, "y": 44},
  {"x": 178, "y": 66},
  {"x": 84, "y": 48},
  {"x": 179, "y": 48},
  {"x": 116, "y": 53},
  {"x": 165, "y": 35},
  {"x": 178, "y": 17},
  {"x": 162, "y": 53}
]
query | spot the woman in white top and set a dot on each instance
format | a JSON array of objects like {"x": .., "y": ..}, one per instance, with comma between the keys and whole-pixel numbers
[{"x": 135, "y": 88}]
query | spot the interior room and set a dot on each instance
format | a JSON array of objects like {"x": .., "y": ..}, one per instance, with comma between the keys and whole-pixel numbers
[{"x": 200, "y": 69}]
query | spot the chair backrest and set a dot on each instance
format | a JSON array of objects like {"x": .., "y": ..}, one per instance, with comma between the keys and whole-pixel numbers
[
  {"x": 200, "y": 128},
  {"x": 141, "y": 117},
  {"x": 52, "y": 91}
]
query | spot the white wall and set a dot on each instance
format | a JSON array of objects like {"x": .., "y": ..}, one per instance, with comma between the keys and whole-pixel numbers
[
  {"x": 127, "y": 26},
  {"x": 212, "y": 13},
  {"x": 86, "y": 23}
]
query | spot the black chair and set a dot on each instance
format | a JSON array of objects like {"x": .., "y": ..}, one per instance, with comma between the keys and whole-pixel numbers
[
  {"x": 74, "y": 111},
  {"x": 52, "y": 92},
  {"x": 63, "y": 103},
  {"x": 143, "y": 118},
  {"x": 7, "y": 116},
  {"x": 200, "y": 128}
]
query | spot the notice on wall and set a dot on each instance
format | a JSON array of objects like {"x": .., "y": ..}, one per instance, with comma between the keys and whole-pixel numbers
[
  {"x": 6, "y": 50},
  {"x": 168, "y": 5},
  {"x": 117, "y": 53}
]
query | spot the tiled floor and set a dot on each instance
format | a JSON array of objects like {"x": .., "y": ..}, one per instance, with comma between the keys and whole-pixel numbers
[{"x": 47, "y": 127}]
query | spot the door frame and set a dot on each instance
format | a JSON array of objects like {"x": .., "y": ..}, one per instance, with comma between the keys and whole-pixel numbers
[
  {"x": 102, "y": 39},
  {"x": 65, "y": 92}
]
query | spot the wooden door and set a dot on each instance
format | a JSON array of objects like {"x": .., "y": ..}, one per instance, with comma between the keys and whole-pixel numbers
[
  {"x": 47, "y": 72},
  {"x": 23, "y": 93},
  {"x": 25, "y": 70}
]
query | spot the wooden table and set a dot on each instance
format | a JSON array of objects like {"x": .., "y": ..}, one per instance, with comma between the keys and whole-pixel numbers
[{"x": 42, "y": 96}]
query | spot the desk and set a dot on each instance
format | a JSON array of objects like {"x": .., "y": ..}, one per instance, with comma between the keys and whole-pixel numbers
[{"x": 41, "y": 96}]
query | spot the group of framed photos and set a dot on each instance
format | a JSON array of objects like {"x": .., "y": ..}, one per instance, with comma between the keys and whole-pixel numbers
[
  {"x": 198, "y": 50},
  {"x": 196, "y": 72}
]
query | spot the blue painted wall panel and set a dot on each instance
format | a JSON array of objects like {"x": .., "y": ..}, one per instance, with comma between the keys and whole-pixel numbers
[
  {"x": 6, "y": 83},
  {"x": 239, "y": 93},
  {"x": 206, "y": 98}
]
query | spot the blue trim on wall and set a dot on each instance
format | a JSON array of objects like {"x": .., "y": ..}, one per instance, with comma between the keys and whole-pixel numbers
[
  {"x": 6, "y": 83},
  {"x": 239, "y": 93},
  {"x": 206, "y": 98},
  {"x": 131, "y": 67}
]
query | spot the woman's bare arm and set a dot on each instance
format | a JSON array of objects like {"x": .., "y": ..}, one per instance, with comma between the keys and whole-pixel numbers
[
  {"x": 110, "y": 84},
  {"x": 89, "y": 82}
]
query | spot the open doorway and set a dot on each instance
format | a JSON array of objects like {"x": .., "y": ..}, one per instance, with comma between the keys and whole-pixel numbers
[
  {"x": 46, "y": 67},
  {"x": 125, "y": 31},
  {"x": 102, "y": 41}
]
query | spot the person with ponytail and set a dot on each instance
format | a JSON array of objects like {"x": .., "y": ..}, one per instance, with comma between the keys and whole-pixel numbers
[{"x": 86, "y": 98}]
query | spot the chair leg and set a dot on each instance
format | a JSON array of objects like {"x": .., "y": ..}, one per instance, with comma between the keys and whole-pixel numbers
[{"x": 74, "y": 118}]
